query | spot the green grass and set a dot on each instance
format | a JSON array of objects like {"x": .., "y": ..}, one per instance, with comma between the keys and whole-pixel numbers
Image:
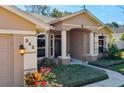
[
  {"x": 118, "y": 68},
  {"x": 115, "y": 65},
  {"x": 106, "y": 63},
  {"x": 78, "y": 75}
]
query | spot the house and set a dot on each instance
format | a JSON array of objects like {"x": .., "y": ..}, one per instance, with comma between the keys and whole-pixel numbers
[
  {"x": 80, "y": 35},
  {"x": 117, "y": 37}
]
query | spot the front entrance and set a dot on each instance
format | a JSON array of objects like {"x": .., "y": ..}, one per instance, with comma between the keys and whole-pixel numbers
[{"x": 57, "y": 45}]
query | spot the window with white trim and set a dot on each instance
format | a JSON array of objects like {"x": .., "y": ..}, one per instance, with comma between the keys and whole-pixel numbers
[
  {"x": 41, "y": 44},
  {"x": 102, "y": 44}
]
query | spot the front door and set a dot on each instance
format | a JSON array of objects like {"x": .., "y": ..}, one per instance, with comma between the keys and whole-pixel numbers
[{"x": 57, "y": 47}]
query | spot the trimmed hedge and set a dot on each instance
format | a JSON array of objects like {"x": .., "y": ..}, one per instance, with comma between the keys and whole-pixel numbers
[
  {"x": 78, "y": 75},
  {"x": 106, "y": 63}
]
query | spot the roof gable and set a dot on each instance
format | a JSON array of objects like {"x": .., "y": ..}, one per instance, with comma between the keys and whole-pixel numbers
[
  {"x": 75, "y": 14},
  {"x": 88, "y": 13},
  {"x": 27, "y": 16}
]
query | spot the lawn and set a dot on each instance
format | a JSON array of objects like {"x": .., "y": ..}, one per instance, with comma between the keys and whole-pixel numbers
[
  {"x": 115, "y": 65},
  {"x": 78, "y": 75},
  {"x": 118, "y": 68},
  {"x": 106, "y": 63}
]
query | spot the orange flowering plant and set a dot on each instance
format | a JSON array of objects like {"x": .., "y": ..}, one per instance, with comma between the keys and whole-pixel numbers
[{"x": 44, "y": 78}]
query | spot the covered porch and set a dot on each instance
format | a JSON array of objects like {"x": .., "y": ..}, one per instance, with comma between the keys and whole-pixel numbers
[
  {"x": 77, "y": 43},
  {"x": 80, "y": 36}
]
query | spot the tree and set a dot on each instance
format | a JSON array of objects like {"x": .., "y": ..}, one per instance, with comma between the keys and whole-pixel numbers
[
  {"x": 113, "y": 25},
  {"x": 56, "y": 13},
  {"x": 122, "y": 37},
  {"x": 46, "y": 10},
  {"x": 65, "y": 13},
  {"x": 40, "y": 9}
]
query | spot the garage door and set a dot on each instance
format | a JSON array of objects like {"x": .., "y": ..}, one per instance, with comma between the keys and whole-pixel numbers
[{"x": 6, "y": 60}]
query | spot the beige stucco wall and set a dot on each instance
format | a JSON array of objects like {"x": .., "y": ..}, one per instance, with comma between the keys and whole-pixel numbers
[
  {"x": 104, "y": 31},
  {"x": 78, "y": 43},
  {"x": 81, "y": 19},
  {"x": 9, "y": 20},
  {"x": 18, "y": 61}
]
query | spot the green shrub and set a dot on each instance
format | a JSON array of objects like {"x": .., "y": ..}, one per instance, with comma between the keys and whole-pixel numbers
[
  {"x": 46, "y": 62},
  {"x": 113, "y": 51},
  {"x": 122, "y": 37}
]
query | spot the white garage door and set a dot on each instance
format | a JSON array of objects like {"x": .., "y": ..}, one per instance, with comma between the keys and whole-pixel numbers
[{"x": 6, "y": 60}]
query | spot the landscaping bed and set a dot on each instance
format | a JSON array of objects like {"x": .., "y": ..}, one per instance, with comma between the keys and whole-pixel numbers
[
  {"x": 78, "y": 75},
  {"x": 106, "y": 63}
]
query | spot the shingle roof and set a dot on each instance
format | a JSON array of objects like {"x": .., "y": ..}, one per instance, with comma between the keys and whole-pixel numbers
[{"x": 45, "y": 19}]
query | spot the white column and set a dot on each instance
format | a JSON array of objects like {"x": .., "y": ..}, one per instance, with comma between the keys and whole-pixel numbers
[
  {"x": 91, "y": 44},
  {"x": 63, "y": 43},
  {"x": 46, "y": 45}
]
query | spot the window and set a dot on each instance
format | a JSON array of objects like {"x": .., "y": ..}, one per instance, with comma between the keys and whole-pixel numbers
[
  {"x": 41, "y": 43},
  {"x": 102, "y": 44}
]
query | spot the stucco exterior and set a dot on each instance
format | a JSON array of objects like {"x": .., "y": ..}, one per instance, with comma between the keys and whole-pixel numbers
[
  {"x": 9, "y": 20},
  {"x": 13, "y": 74},
  {"x": 78, "y": 29},
  {"x": 81, "y": 19},
  {"x": 78, "y": 43},
  {"x": 75, "y": 36}
]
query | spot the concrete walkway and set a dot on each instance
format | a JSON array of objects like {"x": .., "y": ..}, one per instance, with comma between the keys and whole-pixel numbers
[{"x": 115, "y": 79}]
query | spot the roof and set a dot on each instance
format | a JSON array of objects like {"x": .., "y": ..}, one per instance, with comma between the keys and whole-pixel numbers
[
  {"x": 80, "y": 12},
  {"x": 77, "y": 13},
  {"x": 46, "y": 19},
  {"x": 119, "y": 30},
  {"x": 27, "y": 16}
]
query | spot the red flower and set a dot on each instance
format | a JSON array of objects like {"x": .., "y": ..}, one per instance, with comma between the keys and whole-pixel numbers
[
  {"x": 43, "y": 83},
  {"x": 41, "y": 69},
  {"x": 49, "y": 69},
  {"x": 36, "y": 83}
]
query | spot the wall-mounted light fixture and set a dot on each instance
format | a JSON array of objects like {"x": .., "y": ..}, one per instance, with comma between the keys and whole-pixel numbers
[{"x": 21, "y": 49}]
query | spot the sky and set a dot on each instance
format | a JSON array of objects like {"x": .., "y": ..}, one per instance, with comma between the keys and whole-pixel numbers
[{"x": 106, "y": 14}]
